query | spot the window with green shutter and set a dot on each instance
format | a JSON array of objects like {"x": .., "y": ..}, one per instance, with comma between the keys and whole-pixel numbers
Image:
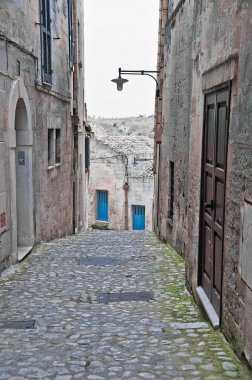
[
  {"x": 46, "y": 44},
  {"x": 71, "y": 34}
]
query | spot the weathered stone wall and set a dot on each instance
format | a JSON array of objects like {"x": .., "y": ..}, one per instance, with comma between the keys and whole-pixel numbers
[
  {"x": 5, "y": 245},
  {"x": 237, "y": 288},
  {"x": 208, "y": 44},
  {"x": 53, "y": 184},
  {"x": 176, "y": 125},
  {"x": 48, "y": 111},
  {"x": 49, "y": 107},
  {"x": 221, "y": 53},
  {"x": 80, "y": 117}
]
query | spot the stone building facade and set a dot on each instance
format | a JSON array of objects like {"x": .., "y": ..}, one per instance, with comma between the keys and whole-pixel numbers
[
  {"x": 121, "y": 170},
  {"x": 203, "y": 155},
  {"x": 42, "y": 123}
]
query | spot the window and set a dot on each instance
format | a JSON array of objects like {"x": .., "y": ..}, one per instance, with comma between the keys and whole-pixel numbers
[
  {"x": 71, "y": 34},
  {"x": 50, "y": 147},
  {"x": 46, "y": 44},
  {"x": 171, "y": 202},
  {"x": 57, "y": 146},
  {"x": 87, "y": 152},
  {"x": 54, "y": 146}
]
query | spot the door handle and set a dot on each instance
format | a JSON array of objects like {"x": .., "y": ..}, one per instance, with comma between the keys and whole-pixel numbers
[{"x": 209, "y": 205}]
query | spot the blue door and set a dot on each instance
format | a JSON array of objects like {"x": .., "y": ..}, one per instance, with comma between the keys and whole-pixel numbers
[
  {"x": 138, "y": 217},
  {"x": 102, "y": 205}
]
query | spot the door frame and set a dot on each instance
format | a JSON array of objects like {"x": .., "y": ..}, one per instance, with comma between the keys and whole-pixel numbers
[{"x": 227, "y": 85}]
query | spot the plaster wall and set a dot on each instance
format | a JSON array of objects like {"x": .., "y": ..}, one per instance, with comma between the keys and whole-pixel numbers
[
  {"x": 141, "y": 194},
  {"x": 111, "y": 170},
  {"x": 49, "y": 107},
  {"x": 107, "y": 174}
]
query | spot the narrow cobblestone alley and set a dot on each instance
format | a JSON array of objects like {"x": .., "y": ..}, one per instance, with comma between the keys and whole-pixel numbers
[{"x": 79, "y": 334}]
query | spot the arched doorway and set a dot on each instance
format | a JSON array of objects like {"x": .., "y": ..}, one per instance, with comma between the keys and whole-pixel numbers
[
  {"x": 23, "y": 182},
  {"x": 20, "y": 144}
]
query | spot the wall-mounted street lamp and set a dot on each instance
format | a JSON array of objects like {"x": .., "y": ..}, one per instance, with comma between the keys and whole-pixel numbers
[{"x": 120, "y": 81}]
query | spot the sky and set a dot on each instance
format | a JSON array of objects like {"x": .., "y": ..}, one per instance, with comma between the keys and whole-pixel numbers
[{"x": 120, "y": 33}]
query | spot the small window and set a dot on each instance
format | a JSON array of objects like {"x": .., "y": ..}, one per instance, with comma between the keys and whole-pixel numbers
[
  {"x": 171, "y": 192},
  {"x": 54, "y": 146},
  {"x": 87, "y": 152},
  {"x": 51, "y": 151},
  {"x": 57, "y": 146}
]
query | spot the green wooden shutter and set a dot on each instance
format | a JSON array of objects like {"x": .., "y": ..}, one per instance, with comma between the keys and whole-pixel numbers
[
  {"x": 46, "y": 44},
  {"x": 71, "y": 34}
]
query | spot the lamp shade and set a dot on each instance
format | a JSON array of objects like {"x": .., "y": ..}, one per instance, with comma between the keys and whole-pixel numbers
[{"x": 119, "y": 82}]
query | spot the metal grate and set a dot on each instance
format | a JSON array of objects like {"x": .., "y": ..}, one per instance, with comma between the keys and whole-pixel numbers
[
  {"x": 125, "y": 297},
  {"x": 17, "y": 325},
  {"x": 101, "y": 261}
]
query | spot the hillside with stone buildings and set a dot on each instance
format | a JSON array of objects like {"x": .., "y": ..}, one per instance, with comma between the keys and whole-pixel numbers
[
  {"x": 121, "y": 159},
  {"x": 132, "y": 136}
]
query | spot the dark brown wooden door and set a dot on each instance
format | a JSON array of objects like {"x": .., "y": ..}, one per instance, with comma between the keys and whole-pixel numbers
[{"x": 213, "y": 194}]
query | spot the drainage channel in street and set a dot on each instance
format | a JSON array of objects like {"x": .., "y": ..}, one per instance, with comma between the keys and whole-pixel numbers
[
  {"x": 145, "y": 296},
  {"x": 17, "y": 325},
  {"x": 101, "y": 261}
]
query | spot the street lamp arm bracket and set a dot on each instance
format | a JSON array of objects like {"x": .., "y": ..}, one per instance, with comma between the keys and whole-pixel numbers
[
  {"x": 139, "y": 72},
  {"x": 120, "y": 81}
]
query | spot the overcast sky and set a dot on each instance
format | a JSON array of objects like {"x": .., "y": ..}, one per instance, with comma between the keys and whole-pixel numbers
[{"x": 120, "y": 33}]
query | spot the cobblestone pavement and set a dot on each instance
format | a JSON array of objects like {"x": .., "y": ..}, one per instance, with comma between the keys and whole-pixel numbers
[{"x": 75, "y": 337}]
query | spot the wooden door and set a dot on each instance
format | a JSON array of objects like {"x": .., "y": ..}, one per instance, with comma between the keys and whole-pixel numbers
[
  {"x": 138, "y": 217},
  {"x": 102, "y": 205},
  {"x": 213, "y": 194}
]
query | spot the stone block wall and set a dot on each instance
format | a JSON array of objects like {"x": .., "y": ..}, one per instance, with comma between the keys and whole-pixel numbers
[
  {"x": 237, "y": 288},
  {"x": 53, "y": 184},
  {"x": 47, "y": 107},
  {"x": 208, "y": 45},
  {"x": 176, "y": 96}
]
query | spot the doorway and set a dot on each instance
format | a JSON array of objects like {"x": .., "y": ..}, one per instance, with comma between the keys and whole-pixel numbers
[
  {"x": 102, "y": 205},
  {"x": 215, "y": 136},
  {"x": 24, "y": 193},
  {"x": 138, "y": 218}
]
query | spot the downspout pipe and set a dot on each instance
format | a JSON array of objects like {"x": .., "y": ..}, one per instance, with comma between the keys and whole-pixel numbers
[
  {"x": 126, "y": 195},
  {"x": 126, "y": 205}
]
